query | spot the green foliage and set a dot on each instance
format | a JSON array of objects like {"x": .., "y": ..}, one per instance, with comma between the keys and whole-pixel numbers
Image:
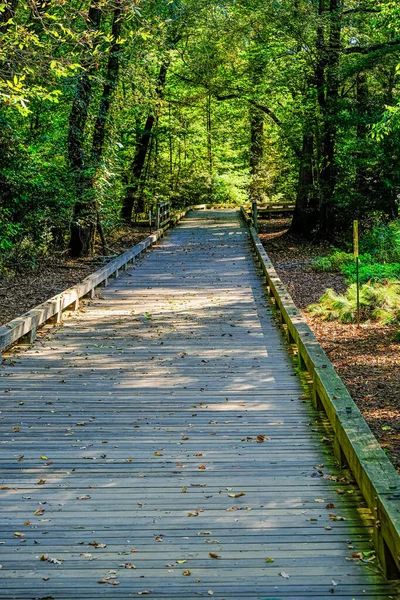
[
  {"x": 382, "y": 242},
  {"x": 377, "y": 303},
  {"x": 335, "y": 262},
  {"x": 374, "y": 273}
]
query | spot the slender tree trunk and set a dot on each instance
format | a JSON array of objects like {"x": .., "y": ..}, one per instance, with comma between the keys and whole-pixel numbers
[
  {"x": 209, "y": 143},
  {"x": 362, "y": 109},
  {"x": 256, "y": 154},
  {"x": 306, "y": 210},
  {"x": 328, "y": 175},
  {"x": 86, "y": 214},
  {"x": 142, "y": 149}
]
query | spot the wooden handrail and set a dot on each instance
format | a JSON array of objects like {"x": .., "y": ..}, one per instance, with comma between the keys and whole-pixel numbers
[{"x": 354, "y": 442}]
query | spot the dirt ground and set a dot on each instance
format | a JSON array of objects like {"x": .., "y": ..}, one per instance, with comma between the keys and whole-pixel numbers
[
  {"x": 23, "y": 290},
  {"x": 366, "y": 358}
]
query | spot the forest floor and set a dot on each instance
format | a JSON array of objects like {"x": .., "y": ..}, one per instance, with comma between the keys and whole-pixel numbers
[
  {"x": 24, "y": 289},
  {"x": 366, "y": 358}
]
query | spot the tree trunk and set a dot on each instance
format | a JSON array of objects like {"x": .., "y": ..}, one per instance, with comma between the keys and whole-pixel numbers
[
  {"x": 142, "y": 148},
  {"x": 362, "y": 130},
  {"x": 306, "y": 210},
  {"x": 85, "y": 218},
  {"x": 328, "y": 175},
  {"x": 256, "y": 154}
]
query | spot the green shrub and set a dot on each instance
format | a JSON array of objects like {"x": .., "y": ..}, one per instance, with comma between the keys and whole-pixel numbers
[
  {"x": 374, "y": 273},
  {"x": 377, "y": 303},
  {"x": 334, "y": 262},
  {"x": 382, "y": 242}
]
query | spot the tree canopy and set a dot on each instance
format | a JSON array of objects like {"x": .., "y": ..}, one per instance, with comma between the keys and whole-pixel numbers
[{"x": 107, "y": 107}]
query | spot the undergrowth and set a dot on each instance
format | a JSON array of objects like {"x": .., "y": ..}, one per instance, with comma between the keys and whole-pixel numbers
[{"x": 377, "y": 303}]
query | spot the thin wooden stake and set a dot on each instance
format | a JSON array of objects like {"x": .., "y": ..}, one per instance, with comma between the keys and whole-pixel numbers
[{"x": 356, "y": 255}]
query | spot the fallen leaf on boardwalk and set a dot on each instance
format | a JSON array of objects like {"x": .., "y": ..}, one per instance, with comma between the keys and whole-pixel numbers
[
  {"x": 269, "y": 560},
  {"x": 213, "y": 555},
  {"x": 21, "y": 458},
  {"x": 83, "y": 497},
  {"x": 232, "y": 509},
  {"x": 129, "y": 565},
  {"x": 181, "y": 562},
  {"x": 54, "y": 561},
  {"x": 39, "y": 512},
  {"x": 198, "y": 454},
  {"x": 330, "y": 506},
  {"x": 46, "y": 578},
  {"x": 133, "y": 550},
  {"x": 202, "y": 467},
  {"x": 88, "y": 556},
  {"x": 144, "y": 593},
  {"x": 18, "y": 534},
  {"x": 16, "y": 428},
  {"x": 194, "y": 514},
  {"x": 204, "y": 533},
  {"x": 159, "y": 538},
  {"x": 27, "y": 523},
  {"x": 186, "y": 573},
  {"x": 97, "y": 545},
  {"x": 4, "y": 487},
  {"x": 109, "y": 581},
  {"x": 210, "y": 593},
  {"x": 236, "y": 495},
  {"x": 336, "y": 518},
  {"x": 211, "y": 541},
  {"x": 284, "y": 575},
  {"x": 185, "y": 438},
  {"x": 43, "y": 457},
  {"x": 157, "y": 454},
  {"x": 320, "y": 500},
  {"x": 129, "y": 460},
  {"x": 184, "y": 490},
  {"x": 340, "y": 492},
  {"x": 41, "y": 482},
  {"x": 262, "y": 438}
]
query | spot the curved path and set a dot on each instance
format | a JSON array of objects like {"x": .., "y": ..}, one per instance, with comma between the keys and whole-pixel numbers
[{"x": 160, "y": 444}]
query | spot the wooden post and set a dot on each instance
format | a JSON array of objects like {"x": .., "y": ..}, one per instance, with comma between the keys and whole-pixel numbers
[
  {"x": 157, "y": 216},
  {"x": 356, "y": 256},
  {"x": 254, "y": 214}
]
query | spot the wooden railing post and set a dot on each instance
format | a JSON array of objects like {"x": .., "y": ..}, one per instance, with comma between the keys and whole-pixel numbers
[
  {"x": 254, "y": 215},
  {"x": 157, "y": 216}
]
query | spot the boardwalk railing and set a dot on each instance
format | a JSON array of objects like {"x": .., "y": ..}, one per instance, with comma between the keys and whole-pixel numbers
[
  {"x": 26, "y": 325},
  {"x": 163, "y": 214},
  {"x": 354, "y": 442}
]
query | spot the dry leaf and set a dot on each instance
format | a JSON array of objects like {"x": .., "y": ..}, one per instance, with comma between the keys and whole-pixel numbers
[
  {"x": 202, "y": 467},
  {"x": 186, "y": 573},
  {"x": 213, "y": 555},
  {"x": 97, "y": 545},
  {"x": 39, "y": 512},
  {"x": 284, "y": 575},
  {"x": 236, "y": 495}
]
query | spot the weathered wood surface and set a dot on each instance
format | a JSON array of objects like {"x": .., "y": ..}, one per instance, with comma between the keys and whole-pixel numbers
[{"x": 108, "y": 421}]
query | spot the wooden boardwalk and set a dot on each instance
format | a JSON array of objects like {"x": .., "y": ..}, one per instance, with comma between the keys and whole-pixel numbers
[{"x": 159, "y": 444}]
